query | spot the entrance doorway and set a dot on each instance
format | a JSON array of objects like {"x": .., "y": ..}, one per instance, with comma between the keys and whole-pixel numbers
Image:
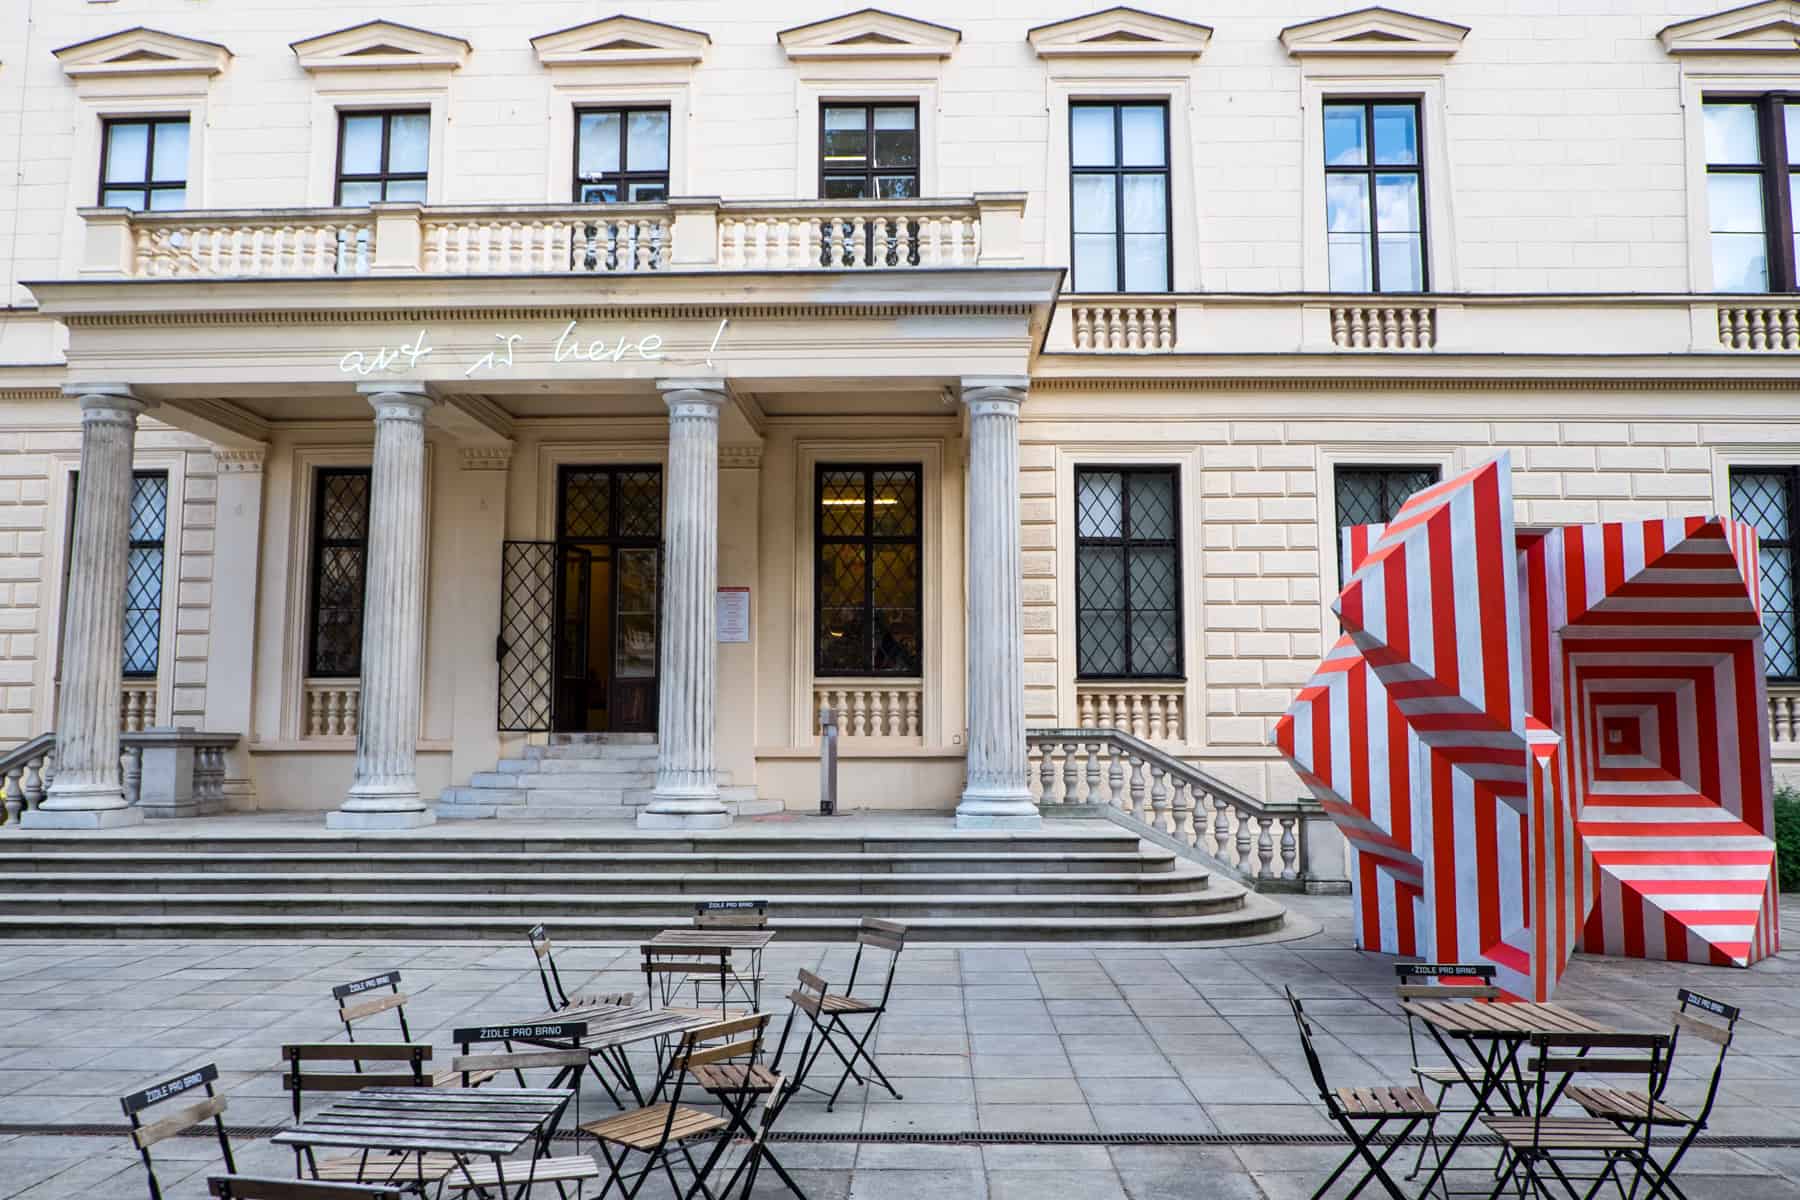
[{"x": 609, "y": 557}]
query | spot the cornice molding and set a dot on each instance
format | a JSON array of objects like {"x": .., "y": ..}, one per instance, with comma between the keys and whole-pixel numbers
[
  {"x": 142, "y": 51},
  {"x": 556, "y": 312},
  {"x": 239, "y": 461},
  {"x": 869, "y": 33},
  {"x": 745, "y": 457},
  {"x": 1119, "y": 32},
  {"x": 1772, "y": 27},
  {"x": 380, "y": 45},
  {"x": 1374, "y": 33},
  {"x": 1415, "y": 383},
  {"x": 486, "y": 458},
  {"x": 618, "y": 40}
]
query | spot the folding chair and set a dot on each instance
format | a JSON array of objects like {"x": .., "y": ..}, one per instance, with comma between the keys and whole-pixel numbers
[
  {"x": 355, "y": 1003},
  {"x": 362, "y": 1167},
  {"x": 145, "y": 1136},
  {"x": 827, "y": 1011},
  {"x": 1630, "y": 1109},
  {"x": 551, "y": 978},
  {"x": 1442, "y": 981},
  {"x": 1538, "y": 1145},
  {"x": 257, "y": 1187},
  {"x": 540, "y": 1168},
  {"x": 758, "y": 1152},
  {"x": 1362, "y": 1113},
  {"x": 658, "y": 1131},
  {"x": 736, "y": 1085},
  {"x": 734, "y": 914}
]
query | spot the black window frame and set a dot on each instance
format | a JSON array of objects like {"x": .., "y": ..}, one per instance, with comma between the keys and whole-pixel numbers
[
  {"x": 383, "y": 176},
  {"x": 1777, "y": 174},
  {"x": 1370, "y": 169},
  {"x": 868, "y": 539},
  {"x": 1118, "y": 171},
  {"x": 1791, "y": 543},
  {"x": 159, "y": 544},
  {"x": 319, "y": 543},
  {"x": 868, "y": 173},
  {"x": 624, "y": 177},
  {"x": 1125, "y": 541},
  {"x": 1390, "y": 504},
  {"x": 148, "y": 184}
]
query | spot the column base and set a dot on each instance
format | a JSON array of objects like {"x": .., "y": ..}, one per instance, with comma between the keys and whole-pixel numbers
[
  {"x": 650, "y": 819},
  {"x": 986, "y": 810},
  {"x": 80, "y": 818},
  {"x": 411, "y": 818}
]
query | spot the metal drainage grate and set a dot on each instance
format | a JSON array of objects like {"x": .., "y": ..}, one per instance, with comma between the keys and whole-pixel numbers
[{"x": 967, "y": 1137}]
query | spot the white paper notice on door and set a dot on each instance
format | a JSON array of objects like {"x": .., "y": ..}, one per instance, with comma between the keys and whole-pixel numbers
[{"x": 734, "y": 614}]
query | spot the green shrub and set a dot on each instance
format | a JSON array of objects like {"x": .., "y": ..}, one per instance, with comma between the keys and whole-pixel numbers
[{"x": 1787, "y": 837}]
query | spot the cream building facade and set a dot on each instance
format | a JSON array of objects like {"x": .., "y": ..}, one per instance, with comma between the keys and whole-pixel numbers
[{"x": 398, "y": 386}]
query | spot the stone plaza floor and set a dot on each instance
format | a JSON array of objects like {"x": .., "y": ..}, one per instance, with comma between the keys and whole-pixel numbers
[{"x": 1109, "y": 1041}]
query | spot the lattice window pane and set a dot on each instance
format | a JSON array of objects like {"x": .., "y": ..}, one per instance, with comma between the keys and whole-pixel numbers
[
  {"x": 526, "y": 661},
  {"x": 1360, "y": 499},
  {"x": 149, "y": 507},
  {"x": 1155, "y": 642},
  {"x": 896, "y": 503},
  {"x": 843, "y": 505},
  {"x": 1779, "y": 612},
  {"x": 1763, "y": 499},
  {"x": 640, "y": 503},
  {"x": 1100, "y": 576},
  {"x": 1099, "y": 504},
  {"x": 345, "y": 511},
  {"x": 1153, "y": 506},
  {"x": 338, "y": 620},
  {"x": 143, "y": 610},
  {"x": 867, "y": 571},
  {"x": 587, "y": 504},
  {"x": 1128, "y": 573},
  {"x": 1100, "y": 643}
]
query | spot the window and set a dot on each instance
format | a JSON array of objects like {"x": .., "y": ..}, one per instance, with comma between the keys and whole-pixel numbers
[
  {"x": 1127, "y": 573},
  {"x": 869, "y": 151},
  {"x": 1119, "y": 197},
  {"x": 1372, "y": 495},
  {"x": 621, "y": 154},
  {"x": 340, "y": 553},
  {"x": 143, "y": 572},
  {"x": 1767, "y": 497},
  {"x": 866, "y": 576},
  {"x": 1374, "y": 196},
  {"x": 1750, "y": 193},
  {"x": 143, "y": 163},
  {"x": 382, "y": 156}
]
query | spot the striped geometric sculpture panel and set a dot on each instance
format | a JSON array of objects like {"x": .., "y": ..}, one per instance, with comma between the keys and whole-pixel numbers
[{"x": 1540, "y": 740}]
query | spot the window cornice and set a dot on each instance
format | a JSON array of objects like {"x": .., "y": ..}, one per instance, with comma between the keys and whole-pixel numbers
[
  {"x": 620, "y": 40},
  {"x": 1769, "y": 28},
  {"x": 142, "y": 51},
  {"x": 1120, "y": 32},
  {"x": 1374, "y": 33},
  {"x": 869, "y": 33},
  {"x": 380, "y": 45}
]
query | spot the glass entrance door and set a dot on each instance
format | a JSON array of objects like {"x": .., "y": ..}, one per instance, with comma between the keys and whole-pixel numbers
[{"x": 608, "y": 585}]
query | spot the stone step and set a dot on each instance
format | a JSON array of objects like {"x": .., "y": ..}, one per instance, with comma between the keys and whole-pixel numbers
[
  {"x": 1258, "y": 916},
  {"x": 604, "y": 752},
  {"x": 602, "y": 739},
  {"x": 698, "y": 885},
  {"x": 432, "y": 864},
  {"x": 451, "y": 907},
  {"x": 586, "y": 780},
  {"x": 481, "y": 839},
  {"x": 574, "y": 766}
]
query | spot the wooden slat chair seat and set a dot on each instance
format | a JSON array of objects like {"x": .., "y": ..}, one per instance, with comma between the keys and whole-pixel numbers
[
  {"x": 261, "y": 1187},
  {"x": 178, "y": 1121},
  {"x": 364, "y": 998},
  {"x": 644, "y": 1128},
  {"x": 848, "y": 1004},
  {"x": 733, "y": 1077},
  {"x": 1618, "y": 1104},
  {"x": 1362, "y": 1113},
  {"x": 573, "y": 1168},
  {"x": 555, "y": 996}
]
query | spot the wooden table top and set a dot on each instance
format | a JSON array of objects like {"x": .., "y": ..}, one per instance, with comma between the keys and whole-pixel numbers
[
  {"x": 714, "y": 939},
  {"x": 1479, "y": 1018},
  {"x": 489, "y": 1121}
]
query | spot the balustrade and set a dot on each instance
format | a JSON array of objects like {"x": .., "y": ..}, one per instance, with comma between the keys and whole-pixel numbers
[
  {"x": 813, "y": 236},
  {"x": 137, "y": 705},
  {"x": 332, "y": 708},
  {"x": 1260, "y": 843},
  {"x": 1380, "y": 327},
  {"x": 1154, "y": 712},
  {"x": 27, "y": 771},
  {"x": 1759, "y": 326},
  {"x": 581, "y": 240},
  {"x": 871, "y": 708},
  {"x": 1123, "y": 327},
  {"x": 188, "y": 245},
  {"x": 1784, "y": 716}
]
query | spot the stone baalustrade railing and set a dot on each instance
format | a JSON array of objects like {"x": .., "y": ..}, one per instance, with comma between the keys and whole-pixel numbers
[
  {"x": 332, "y": 708},
  {"x": 1154, "y": 712},
  {"x": 1759, "y": 326},
  {"x": 167, "y": 772},
  {"x": 871, "y": 708},
  {"x": 1272, "y": 847},
  {"x": 1384, "y": 326},
  {"x": 1784, "y": 720},
  {"x": 1123, "y": 327},
  {"x": 701, "y": 234},
  {"x": 137, "y": 705}
]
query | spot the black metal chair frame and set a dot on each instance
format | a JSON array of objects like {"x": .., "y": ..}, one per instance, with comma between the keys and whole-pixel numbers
[
  {"x": 884, "y": 935},
  {"x": 1433, "y": 981},
  {"x": 1360, "y": 1139},
  {"x": 145, "y": 1136}
]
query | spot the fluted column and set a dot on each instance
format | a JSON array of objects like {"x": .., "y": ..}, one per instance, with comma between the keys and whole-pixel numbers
[
  {"x": 996, "y": 795},
  {"x": 385, "y": 792},
  {"x": 88, "y": 792},
  {"x": 687, "y": 779}
]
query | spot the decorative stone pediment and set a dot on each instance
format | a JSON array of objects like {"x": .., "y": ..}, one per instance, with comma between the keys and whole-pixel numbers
[
  {"x": 869, "y": 33},
  {"x": 142, "y": 51},
  {"x": 1118, "y": 31},
  {"x": 1772, "y": 27},
  {"x": 1375, "y": 32},
  {"x": 620, "y": 39},
  {"x": 380, "y": 46}
]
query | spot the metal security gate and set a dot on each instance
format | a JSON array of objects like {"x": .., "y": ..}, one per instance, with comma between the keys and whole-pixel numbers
[{"x": 527, "y": 644}]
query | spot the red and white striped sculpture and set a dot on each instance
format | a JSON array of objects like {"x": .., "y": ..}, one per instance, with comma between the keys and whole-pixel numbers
[{"x": 1539, "y": 740}]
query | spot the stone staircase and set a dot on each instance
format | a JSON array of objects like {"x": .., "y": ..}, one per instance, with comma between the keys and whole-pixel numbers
[
  {"x": 578, "y": 776},
  {"x": 482, "y": 881}
]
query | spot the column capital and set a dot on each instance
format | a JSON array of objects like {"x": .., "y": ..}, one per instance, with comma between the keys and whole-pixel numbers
[
  {"x": 107, "y": 401},
  {"x": 693, "y": 397},
  {"x": 986, "y": 394},
  {"x": 400, "y": 400}
]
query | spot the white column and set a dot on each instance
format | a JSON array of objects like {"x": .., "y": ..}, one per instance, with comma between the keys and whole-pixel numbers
[
  {"x": 996, "y": 795},
  {"x": 385, "y": 792},
  {"x": 88, "y": 792},
  {"x": 687, "y": 778}
]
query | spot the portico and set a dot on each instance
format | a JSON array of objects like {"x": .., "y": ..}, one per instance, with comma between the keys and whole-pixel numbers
[{"x": 451, "y": 411}]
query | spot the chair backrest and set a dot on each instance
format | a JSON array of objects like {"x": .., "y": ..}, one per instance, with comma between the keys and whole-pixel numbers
[
  {"x": 666, "y": 967},
  {"x": 364, "y": 998},
  {"x": 1312, "y": 1055},
  {"x": 1712, "y": 1021},
  {"x": 883, "y": 935},
  {"x": 297, "y": 1079},
  {"x": 261, "y": 1187},
  {"x": 145, "y": 1135},
  {"x": 509, "y": 1059},
  {"x": 1639, "y": 1060},
  {"x": 1447, "y": 981},
  {"x": 731, "y": 914},
  {"x": 554, "y": 995}
]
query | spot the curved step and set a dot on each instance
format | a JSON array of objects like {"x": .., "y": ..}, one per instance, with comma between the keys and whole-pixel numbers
[{"x": 1150, "y": 861}]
